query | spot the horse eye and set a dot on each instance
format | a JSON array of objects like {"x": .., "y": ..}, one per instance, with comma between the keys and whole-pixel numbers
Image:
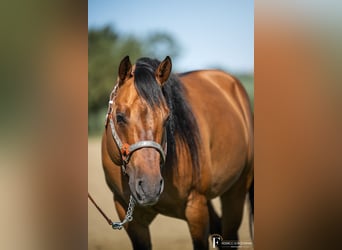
[{"x": 120, "y": 118}]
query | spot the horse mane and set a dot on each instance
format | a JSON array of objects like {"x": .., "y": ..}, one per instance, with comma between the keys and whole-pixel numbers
[{"x": 182, "y": 123}]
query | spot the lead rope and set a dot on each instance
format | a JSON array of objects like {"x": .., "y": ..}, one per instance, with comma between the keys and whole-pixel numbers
[{"x": 128, "y": 217}]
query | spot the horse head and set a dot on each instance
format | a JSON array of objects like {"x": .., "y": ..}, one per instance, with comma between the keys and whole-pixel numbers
[{"x": 138, "y": 117}]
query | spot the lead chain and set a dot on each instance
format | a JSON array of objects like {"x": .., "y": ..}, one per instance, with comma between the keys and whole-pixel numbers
[{"x": 129, "y": 215}]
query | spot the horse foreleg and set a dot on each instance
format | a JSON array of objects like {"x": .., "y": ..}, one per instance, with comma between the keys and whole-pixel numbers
[
  {"x": 138, "y": 229},
  {"x": 197, "y": 217}
]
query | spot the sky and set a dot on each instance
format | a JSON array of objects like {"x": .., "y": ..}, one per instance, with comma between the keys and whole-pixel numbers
[{"x": 218, "y": 33}]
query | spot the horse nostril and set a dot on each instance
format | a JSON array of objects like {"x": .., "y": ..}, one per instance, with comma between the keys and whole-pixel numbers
[
  {"x": 161, "y": 182},
  {"x": 140, "y": 182}
]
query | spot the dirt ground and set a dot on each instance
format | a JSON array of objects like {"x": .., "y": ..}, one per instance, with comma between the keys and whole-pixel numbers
[{"x": 167, "y": 233}]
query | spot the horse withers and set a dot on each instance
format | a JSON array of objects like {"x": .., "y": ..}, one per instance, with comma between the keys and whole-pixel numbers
[{"x": 174, "y": 143}]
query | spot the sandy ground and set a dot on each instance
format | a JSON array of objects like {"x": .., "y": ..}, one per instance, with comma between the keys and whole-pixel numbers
[{"x": 167, "y": 233}]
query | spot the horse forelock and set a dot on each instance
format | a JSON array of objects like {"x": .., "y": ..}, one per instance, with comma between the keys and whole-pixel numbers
[{"x": 145, "y": 81}]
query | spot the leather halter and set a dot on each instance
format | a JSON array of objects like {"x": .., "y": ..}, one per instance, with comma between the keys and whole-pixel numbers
[{"x": 125, "y": 149}]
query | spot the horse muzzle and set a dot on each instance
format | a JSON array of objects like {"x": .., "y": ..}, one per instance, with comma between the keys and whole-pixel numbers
[{"x": 146, "y": 192}]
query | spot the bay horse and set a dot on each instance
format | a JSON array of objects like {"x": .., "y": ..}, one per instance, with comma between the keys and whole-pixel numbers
[{"x": 176, "y": 142}]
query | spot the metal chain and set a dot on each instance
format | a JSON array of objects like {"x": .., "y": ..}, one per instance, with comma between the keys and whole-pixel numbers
[{"x": 129, "y": 215}]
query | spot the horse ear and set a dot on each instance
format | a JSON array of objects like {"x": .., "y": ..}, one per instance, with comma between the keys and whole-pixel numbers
[
  {"x": 163, "y": 71},
  {"x": 125, "y": 69}
]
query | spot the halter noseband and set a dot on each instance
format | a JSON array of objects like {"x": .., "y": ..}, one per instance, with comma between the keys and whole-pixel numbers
[{"x": 125, "y": 149}]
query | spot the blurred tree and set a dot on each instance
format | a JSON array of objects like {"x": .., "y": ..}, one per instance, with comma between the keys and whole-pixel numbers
[
  {"x": 101, "y": 44},
  {"x": 106, "y": 48}
]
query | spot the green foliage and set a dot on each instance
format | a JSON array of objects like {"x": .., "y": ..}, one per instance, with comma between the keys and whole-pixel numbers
[{"x": 106, "y": 48}]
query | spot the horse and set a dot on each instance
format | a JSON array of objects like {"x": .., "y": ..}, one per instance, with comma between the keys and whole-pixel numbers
[{"x": 177, "y": 141}]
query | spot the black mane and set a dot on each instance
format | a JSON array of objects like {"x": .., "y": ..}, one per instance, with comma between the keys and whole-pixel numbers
[{"x": 182, "y": 123}]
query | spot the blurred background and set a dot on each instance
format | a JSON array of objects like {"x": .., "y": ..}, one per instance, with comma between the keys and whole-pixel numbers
[{"x": 196, "y": 34}]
